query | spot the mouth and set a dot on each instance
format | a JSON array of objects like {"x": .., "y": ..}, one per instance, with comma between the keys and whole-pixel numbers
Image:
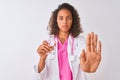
[{"x": 65, "y": 26}]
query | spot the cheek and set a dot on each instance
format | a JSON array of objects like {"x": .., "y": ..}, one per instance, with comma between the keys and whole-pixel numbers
[
  {"x": 58, "y": 23},
  {"x": 70, "y": 23}
]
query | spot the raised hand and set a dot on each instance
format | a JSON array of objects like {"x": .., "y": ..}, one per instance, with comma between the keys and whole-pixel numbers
[{"x": 91, "y": 57}]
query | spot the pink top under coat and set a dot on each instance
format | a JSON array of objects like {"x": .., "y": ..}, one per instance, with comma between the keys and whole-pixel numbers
[{"x": 64, "y": 67}]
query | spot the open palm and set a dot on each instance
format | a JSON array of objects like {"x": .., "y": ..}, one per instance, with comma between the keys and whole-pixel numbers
[{"x": 90, "y": 59}]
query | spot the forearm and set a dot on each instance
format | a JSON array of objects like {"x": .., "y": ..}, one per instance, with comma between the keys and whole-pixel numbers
[{"x": 41, "y": 65}]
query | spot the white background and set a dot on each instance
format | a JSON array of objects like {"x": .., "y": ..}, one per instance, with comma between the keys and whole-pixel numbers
[{"x": 23, "y": 26}]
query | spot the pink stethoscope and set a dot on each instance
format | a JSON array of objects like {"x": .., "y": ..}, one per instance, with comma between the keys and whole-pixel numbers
[{"x": 72, "y": 57}]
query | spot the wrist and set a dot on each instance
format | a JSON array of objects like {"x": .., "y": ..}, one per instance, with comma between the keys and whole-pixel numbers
[{"x": 42, "y": 58}]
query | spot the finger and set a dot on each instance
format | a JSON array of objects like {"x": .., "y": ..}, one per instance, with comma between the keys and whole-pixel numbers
[
  {"x": 99, "y": 47},
  {"x": 41, "y": 51},
  {"x": 45, "y": 48},
  {"x": 45, "y": 43},
  {"x": 92, "y": 41},
  {"x": 95, "y": 42},
  {"x": 82, "y": 56},
  {"x": 88, "y": 43},
  {"x": 51, "y": 48}
]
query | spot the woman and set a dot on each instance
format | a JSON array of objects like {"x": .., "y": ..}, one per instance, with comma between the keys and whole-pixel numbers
[{"x": 71, "y": 56}]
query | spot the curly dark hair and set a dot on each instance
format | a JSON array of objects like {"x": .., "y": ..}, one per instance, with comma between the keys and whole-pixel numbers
[{"x": 75, "y": 29}]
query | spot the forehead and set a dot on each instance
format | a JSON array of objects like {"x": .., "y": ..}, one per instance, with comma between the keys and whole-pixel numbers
[{"x": 64, "y": 12}]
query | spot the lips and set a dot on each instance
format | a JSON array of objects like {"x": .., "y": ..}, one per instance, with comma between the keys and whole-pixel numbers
[{"x": 65, "y": 26}]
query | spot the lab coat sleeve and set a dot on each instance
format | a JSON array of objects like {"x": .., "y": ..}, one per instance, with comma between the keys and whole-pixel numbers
[{"x": 42, "y": 75}]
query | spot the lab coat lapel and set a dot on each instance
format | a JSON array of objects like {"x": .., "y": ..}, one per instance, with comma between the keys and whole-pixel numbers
[{"x": 70, "y": 53}]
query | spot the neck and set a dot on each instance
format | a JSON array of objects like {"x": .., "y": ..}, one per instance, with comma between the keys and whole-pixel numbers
[{"x": 63, "y": 36}]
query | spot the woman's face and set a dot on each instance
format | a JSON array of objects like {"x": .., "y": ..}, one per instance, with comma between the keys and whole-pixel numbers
[{"x": 64, "y": 20}]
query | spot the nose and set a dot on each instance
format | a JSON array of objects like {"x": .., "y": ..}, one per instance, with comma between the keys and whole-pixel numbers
[{"x": 65, "y": 20}]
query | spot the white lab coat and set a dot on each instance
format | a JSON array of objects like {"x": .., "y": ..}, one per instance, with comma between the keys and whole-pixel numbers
[{"x": 51, "y": 69}]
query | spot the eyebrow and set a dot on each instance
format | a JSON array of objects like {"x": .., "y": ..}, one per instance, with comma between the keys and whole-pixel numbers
[{"x": 66, "y": 16}]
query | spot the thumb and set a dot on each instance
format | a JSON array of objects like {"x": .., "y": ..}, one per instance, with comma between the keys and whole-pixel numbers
[{"x": 82, "y": 56}]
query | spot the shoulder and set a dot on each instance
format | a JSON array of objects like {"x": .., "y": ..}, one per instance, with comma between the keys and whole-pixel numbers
[{"x": 51, "y": 37}]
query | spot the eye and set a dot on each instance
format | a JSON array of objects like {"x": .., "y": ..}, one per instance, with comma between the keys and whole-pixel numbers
[
  {"x": 60, "y": 18},
  {"x": 69, "y": 18}
]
